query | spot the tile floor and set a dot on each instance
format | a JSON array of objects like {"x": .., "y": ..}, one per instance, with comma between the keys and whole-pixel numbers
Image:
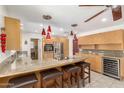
[{"x": 102, "y": 81}]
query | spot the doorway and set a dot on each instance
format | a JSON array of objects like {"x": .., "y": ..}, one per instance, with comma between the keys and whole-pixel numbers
[{"x": 34, "y": 49}]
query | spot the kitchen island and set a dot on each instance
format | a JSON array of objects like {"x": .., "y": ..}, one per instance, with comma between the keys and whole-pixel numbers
[{"x": 26, "y": 66}]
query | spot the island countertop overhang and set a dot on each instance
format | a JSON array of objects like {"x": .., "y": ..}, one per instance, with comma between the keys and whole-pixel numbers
[{"x": 37, "y": 66}]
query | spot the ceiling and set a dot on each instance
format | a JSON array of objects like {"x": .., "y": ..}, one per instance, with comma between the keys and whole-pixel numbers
[{"x": 64, "y": 15}]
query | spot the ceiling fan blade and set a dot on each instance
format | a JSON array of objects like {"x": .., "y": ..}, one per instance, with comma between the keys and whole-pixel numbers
[
  {"x": 90, "y": 5},
  {"x": 96, "y": 15},
  {"x": 117, "y": 13}
]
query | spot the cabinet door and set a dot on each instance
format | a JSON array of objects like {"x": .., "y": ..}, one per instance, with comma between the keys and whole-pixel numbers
[
  {"x": 12, "y": 29},
  {"x": 86, "y": 40},
  {"x": 95, "y": 62},
  {"x": 92, "y": 61},
  {"x": 113, "y": 37},
  {"x": 98, "y": 64}
]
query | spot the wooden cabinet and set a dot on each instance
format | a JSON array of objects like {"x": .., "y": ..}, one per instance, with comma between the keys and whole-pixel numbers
[
  {"x": 113, "y": 40},
  {"x": 88, "y": 46},
  {"x": 86, "y": 40},
  {"x": 98, "y": 64},
  {"x": 48, "y": 56},
  {"x": 12, "y": 29},
  {"x": 122, "y": 68},
  {"x": 92, "y": 61},
  {"x": 58, "y": 39},
  {"x": 109, "y": 47},
  {"x": 95, "y": 61},
  {"x": 112, "y": 37}
]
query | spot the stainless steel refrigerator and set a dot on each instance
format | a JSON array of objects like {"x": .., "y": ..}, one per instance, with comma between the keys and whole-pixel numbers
[{"x": 58, "y": 51}]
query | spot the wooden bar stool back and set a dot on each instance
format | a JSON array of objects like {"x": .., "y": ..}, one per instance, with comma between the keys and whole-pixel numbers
[
  {"x": 70, "y": 72},
  {"x": 27, "y": 81},
  {"x": 51, "y": 74},
  {"x": 85, "y": 71}
]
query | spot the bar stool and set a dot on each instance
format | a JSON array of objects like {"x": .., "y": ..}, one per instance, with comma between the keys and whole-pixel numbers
[
  {"x": 27, "y": 81},
  {"x": 85, "y": 71},
  {"x": 70, "y": 72},
  {"x": 51, "y": 74}
]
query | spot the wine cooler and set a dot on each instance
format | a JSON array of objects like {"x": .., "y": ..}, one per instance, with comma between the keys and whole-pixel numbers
[{"x": 111, "y": 67}]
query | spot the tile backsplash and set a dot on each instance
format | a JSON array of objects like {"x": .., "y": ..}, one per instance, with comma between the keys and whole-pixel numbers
[{"x": 116, "y": 53}]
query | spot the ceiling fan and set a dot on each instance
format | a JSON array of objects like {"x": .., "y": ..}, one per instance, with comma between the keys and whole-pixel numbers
[{"x": 116, "y": 11}]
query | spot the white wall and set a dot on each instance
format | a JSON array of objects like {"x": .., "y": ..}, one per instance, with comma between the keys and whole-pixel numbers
[
  {"x": 27, "y": 37},
  {"x": 70, "y": 46},
  {"x": 3, "y": 10},
  {"x": 3, "y": 13},
  {"x": 107, "y": 29}
]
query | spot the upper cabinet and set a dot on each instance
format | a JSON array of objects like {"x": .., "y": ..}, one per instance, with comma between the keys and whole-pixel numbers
[
  {"x": 112, "y": 37},
  {"x": 107, "y": 41},
  {"x": 103, "y": 38},
  {"x": 86, "y": 40},
  {"x": 12, "y": 29}
]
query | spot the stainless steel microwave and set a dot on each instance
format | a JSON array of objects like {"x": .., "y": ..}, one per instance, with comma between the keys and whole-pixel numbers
[{"x": 48, "y": 47}]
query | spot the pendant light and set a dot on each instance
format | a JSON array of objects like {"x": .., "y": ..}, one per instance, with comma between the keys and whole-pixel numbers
[
  {"x": 48, "y": 36},
  {"x": 49, "y": 28},
  {"x": 71, "y": 33},
  {"x": 75, "y": 37},
  {"x": 43, "y": 32}
]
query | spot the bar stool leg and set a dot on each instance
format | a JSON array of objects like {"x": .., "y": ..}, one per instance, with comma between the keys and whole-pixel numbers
[
  {"x": 89, "y": 76},
  {"x": 71, "y": 79},
  {"x": 83, "y": 76},
  {"x": 62, "y": 81},
  {"x": 43, "y": 85},
  {"x": 77, "y": 77}
]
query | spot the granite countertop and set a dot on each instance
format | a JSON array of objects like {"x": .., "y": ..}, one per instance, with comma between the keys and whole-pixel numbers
[
  {"x": 26, "y": 66},
  {"x": 106, "y": 55}
]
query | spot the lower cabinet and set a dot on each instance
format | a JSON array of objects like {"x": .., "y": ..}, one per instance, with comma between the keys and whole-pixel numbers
[{"x": 95, "y": 61}]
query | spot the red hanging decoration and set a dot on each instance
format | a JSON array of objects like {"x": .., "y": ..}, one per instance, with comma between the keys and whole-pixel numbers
[
  {"x": 75, "y": 45},
  {"x": 3, "y": 40},
  {"x": 75, "y": 37},
  {"x": 49, "y": 29},
  {"x": 71, "y": 33},
  {"x": 48, "y": 36},
  {"x": 43, "y": 32}
]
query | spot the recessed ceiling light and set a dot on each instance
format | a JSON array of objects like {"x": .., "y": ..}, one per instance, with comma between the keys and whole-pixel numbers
[
  {"x": 104, "y": 20},
  {"x": 76, "y": 32},
  {"x": 36, "y": 31},
  {"x": 41, "y": 25},
  {"x": 21, "y": 28},
  {"x": 21, "y": 24},
  {"x": 61, "y": 29},
  {"x": 53, "y": 33}
]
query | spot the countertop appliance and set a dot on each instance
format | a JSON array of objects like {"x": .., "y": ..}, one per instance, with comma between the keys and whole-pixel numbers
[
  {"x": 58, "y": 51},
  {"x": 111, "y": 67}
]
